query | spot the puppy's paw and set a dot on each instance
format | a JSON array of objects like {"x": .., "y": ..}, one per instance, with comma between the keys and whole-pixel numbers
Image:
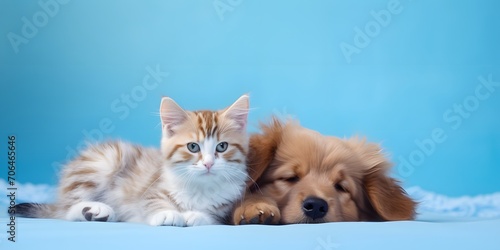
[
  {"x": 260, "y": 212},
  {"x": 167, "y": 218},
  {"x": 90, "y": 211},
  {"x": 194, "y": 218}
]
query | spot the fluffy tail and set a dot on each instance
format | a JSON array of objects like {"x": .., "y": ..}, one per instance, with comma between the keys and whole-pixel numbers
[{"x": 33, "y": 210}]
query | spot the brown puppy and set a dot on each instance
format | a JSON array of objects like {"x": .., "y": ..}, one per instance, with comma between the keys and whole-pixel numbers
[{"x": 301, "y": 176}]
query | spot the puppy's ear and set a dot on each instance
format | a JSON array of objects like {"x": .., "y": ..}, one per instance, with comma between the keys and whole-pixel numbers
[
  {"x": 262, "y": 149},
  {"x": 387, "y": 198}
]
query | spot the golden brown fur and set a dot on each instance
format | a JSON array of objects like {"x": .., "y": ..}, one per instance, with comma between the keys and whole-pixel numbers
[{"x": 294, "y": 169}]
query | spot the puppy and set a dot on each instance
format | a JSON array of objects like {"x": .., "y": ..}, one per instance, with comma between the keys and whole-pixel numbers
[{"x": 301, "y": 176}]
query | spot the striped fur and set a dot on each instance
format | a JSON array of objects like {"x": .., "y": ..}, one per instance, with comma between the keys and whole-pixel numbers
[{"x": 118, "y": 181}]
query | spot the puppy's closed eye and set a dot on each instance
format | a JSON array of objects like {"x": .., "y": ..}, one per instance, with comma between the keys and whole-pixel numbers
[
  {"x": 292, "y": 179},
  {"x": 339, "y": 187}
]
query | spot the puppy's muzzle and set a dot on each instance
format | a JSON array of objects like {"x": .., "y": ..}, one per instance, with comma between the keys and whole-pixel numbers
[{"x": 315, "y": 208}]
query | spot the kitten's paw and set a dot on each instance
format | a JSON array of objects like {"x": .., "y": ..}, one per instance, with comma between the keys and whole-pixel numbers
[
  {"x": 194, "y": 218},
  {"x": 260, "y": 212},
  {"x": 167, "y": 218},
  {"x": 90, "y": 211}
]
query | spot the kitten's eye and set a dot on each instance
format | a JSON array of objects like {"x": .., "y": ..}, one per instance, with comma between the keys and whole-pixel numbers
[
  {"x": 193, "y": 147},
  {"x": 221, "y": 147},
  {"x": 340, "y": 188},
  {"x": 292, "y": 179}
]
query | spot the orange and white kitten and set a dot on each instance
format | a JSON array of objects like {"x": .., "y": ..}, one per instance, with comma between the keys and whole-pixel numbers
[{"x": 194, "y": 178}]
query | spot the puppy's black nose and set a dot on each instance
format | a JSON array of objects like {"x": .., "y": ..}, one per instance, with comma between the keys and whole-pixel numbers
[{"x": 315, "y": 208}]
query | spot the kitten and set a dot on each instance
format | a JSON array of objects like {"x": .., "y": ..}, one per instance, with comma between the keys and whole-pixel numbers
[{"x": 193, "y": 180}]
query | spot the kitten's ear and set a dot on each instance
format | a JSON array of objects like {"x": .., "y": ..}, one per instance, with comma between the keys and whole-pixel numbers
[
  {"x": 238, "y": 111},
  {"x": 171, "y": 115}
]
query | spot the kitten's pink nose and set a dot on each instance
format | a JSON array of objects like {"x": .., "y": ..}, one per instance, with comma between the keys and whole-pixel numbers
[
  {"x": 208, "y": 164},
  {"x": 208, "y": 161}
]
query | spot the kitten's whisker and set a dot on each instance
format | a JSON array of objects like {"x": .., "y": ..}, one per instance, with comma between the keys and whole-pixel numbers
[
  {"x": 236, "y": 186},
  {"x": 159, "y": 115},
  {"x": 227, "y": 176},
  {"x": 150, "y": 185},
  {"x": 156, "y": 114},
  {"x": 250, "y": 178},
  {"x": 158, "y": 125},
  {"x": 189, "y": 178},
  {"x": 245, "y": 173},
  {"x": 242, "y": 195},
  {"x": 185, "y": 178}
]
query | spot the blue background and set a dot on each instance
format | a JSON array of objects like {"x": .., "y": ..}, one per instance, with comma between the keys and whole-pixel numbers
[{"x": 400, "y": 89}]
